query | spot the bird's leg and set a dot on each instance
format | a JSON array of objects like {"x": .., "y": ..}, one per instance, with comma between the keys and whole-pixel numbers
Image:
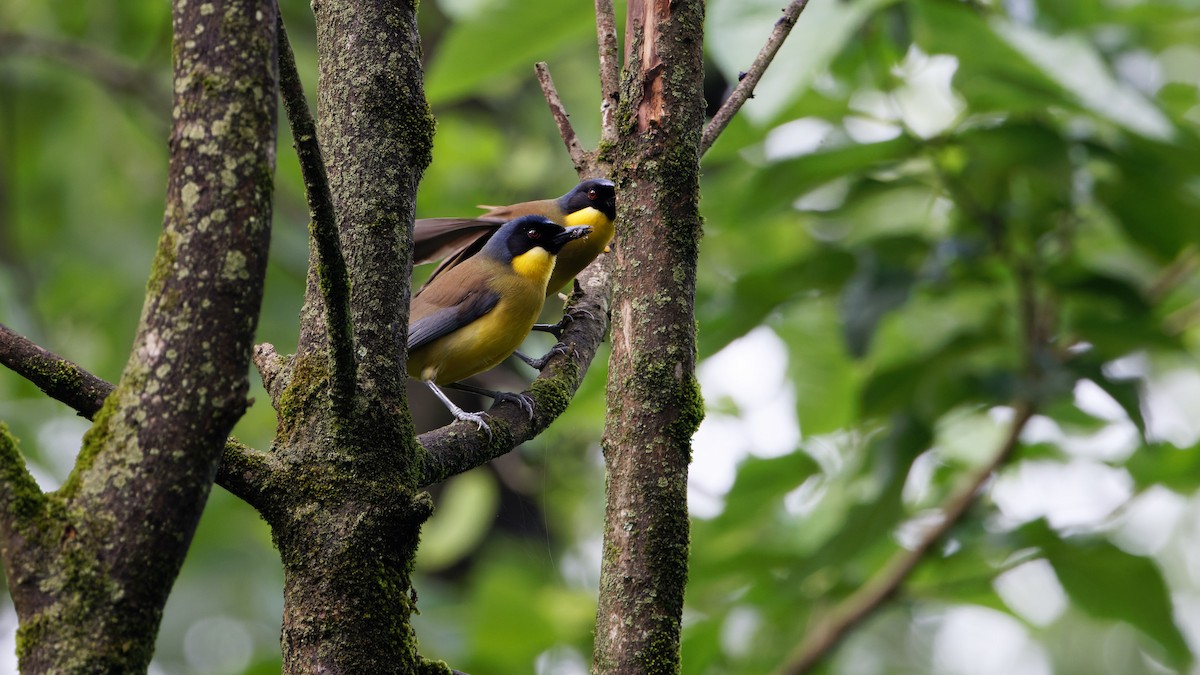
[
  {"x": 556, "y": 329},
  {"x": 458, "y": 412},
  {"x": 523, "y": 400},
  {"x": 540, "y": 363}
]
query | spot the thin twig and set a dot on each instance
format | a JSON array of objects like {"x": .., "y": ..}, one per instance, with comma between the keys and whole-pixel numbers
[
  {"x": 244, "y": 471},
  {"x": 578, "y": 155},
  {"x": 828, "y": 631},
  {"x": 331, "y": 269},
  {"x": 610, "y": 92},
  {"x": 749, "y": 80}
]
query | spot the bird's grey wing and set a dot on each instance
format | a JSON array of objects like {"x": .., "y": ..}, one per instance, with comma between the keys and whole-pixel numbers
[
  {"x": 450, "y": 317},
  {"x": 436, "y": 238}
]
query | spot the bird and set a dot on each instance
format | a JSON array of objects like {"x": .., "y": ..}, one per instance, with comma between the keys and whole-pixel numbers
[
  {"x": 593, "y": 202},
  {"x": 476, "y": 313}
]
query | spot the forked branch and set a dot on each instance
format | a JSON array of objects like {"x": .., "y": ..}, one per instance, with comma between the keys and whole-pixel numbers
[{"x": 749, "y": 80}]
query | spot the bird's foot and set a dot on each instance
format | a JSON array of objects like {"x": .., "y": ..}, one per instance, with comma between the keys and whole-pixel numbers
[
  {"x": 477, "y": 418},
  {"x": 523, "y": 400},
  {"x": 556, "y": 329},
  {"x": 540, "y": 363}
]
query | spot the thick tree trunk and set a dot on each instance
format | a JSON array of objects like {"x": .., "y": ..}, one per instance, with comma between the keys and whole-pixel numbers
[
  {"x": 90, "y": 566},
  {"x": 343, "y": 503},
  {"x": 654, "y": 403}
]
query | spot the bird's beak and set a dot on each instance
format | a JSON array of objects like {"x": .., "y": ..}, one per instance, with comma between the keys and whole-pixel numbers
[{"x": 572, "y": 233}]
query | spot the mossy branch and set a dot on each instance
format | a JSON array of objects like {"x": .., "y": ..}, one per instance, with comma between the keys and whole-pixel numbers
[
  {"x": 460, "y": 447},
  {"x": 331, "y": 265},
  {"x": 20, "y": 497},
  {"x": 749, "y": 80},
  {"x": 244, "y": 471},
  {"x": 57, "y": 377}
]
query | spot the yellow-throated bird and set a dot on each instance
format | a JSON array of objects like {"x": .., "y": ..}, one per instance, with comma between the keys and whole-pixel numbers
[
  {"x": 593, "y": 203},
  {"x": 473, "y": 315}
]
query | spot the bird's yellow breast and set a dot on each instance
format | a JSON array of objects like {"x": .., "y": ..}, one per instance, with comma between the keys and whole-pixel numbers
[
  {"x": 484, "y": 343},
  {"x": 580, "y": 253}
]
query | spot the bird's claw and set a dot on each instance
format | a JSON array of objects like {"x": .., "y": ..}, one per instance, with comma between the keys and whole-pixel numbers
[
  {"x": 523, "y": 400},
  {"x": 477, "y": 418}
]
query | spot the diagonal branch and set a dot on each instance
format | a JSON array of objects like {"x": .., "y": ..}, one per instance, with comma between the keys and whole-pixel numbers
[
  {"x": 57, "y": 377},
  {"x": 331, "y": 267},
  {"x": 452, "y": 452},
  {"x": 610, "y": 86},
  {"x": 561, "y": 118},
  {"x": 244, "y": 471},
  {"x": 822, "y": 637},
  {"x": 749, "y": 80}
]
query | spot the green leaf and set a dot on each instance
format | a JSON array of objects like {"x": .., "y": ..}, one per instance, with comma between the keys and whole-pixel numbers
[
  {"x": 737, "y": 30},
  {"x": 823, "y": 374},
  {"x": 992, "y": 75},
  {"x": 754, "y": 295},
  {"x": 788, "y": 180},
  {"x": 1151, "y": 190},
  {"x": 1109, "y": 583},
  {"x": 501, "y": 41},
  {"x": 883, "y": 277},
  {"x": 869, "y": 523},
  {"x": 1166, "y": 465},
  {"x": 1126, "y": 391},
  {"x": 762, "y": 483}
]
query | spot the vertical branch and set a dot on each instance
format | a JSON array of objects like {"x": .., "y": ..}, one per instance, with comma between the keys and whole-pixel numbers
[
  {"x": 331, "y": 266},
  {"x": 610, "y": 89},
  {"x": 653, "y": 399},
  {"x": 376, "y": 133}
]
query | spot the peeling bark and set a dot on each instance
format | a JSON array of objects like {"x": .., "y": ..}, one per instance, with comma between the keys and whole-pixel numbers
[{"x": 654, "y": 404}]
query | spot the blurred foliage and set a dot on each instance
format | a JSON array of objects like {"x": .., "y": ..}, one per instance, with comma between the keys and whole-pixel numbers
[{"x": 931, "y": 209}]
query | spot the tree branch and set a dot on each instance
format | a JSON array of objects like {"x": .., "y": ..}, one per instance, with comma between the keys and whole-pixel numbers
[
  {"x": 749, "y": 80},
  {"x": 331, "y": 265},
  {"x": 114, "y": 74},
  {"x": 59, "y": 378},
  {"x": 244, "y": 471},
  {"x": 610, "y": 85},
  {"x": 452, "y": 451},
  {"x": 561, "y": 118},
  {"x": 823, "y": 636}
]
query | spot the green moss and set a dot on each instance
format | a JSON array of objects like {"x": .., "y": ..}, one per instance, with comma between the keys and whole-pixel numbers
[
  {"x": 23, "y": 498},
  {"x": 96, "y": 438},
  {"x": 553, "y": 394},
  {"x": 164, "y": 260},
  {"x": 429, "y": 667},
  {"x": 309, "y": 379}
]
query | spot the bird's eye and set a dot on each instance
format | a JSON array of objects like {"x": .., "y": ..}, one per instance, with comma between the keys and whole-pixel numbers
[
  {"x": 592, "y": 194},
  {"x": 533, "y": 234}
]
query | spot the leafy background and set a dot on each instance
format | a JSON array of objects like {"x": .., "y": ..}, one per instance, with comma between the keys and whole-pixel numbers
[{"x": 930, "y": 209}]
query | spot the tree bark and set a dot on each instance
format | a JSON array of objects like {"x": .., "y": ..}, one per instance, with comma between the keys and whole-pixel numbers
[
  {"x": 343, "y": 501},
  {"x": 654, "y": 404},
  {"x": 90, "y": 565}
]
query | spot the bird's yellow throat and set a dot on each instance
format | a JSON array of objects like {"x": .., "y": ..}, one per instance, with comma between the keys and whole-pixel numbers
[{"x": 536, "y": 264}]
